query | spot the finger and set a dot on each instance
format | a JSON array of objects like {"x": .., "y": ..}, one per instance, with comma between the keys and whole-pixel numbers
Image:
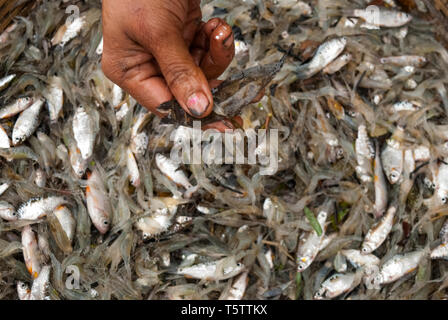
[
  {"x": 149, "y": 92},
  {"x": 197, "y": 55},
  {"x": 139, "y": 78},
  {"x": 192, "y": 26},
  {"x": 223, "y": 125},
  {"x": 184, "y": 78},
  {"x": 202, "y": 37},
  {"x": 221, "y": 51}
]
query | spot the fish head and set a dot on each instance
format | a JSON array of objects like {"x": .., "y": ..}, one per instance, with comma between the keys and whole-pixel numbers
[
  {"x": 22, "y": 290},
  {"x": 102, "y": 224},
  {"x": 26, "y": 100},
  {"x": 322, "y": 217},
  {"x": 9, "y": 213},
  {"x": 366, "y": 248},
  {"x": 12, "y": 215},
  {"x": 16, "y": 140},
  {"x": 439, "y": 198},
  {"x": 303, "y": 263},
  {"x": 394, "y": 176},
  {"x": 339, "y": 153},
  {"x": 146, "y": 236},
  {"x": 320, "y": 294},
  {"x": 406, "y": 16},
  {"x": 378, "y": 279},
  {"x": 442, "y": 197}
]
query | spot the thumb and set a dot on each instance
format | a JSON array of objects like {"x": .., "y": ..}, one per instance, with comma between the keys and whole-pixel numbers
[{"x": 184, "y": 78}]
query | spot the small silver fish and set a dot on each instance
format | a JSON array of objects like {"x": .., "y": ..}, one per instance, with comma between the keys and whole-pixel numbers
[
  {"x": 7, "y": 211},
  {"x": 131, "y": 163},
  {"x": 171, "y": 169},
  {"x": 379, "y": 17},
  {"x": 15, "y": 107},
  {"x": 55, "y": 97},
  {"x": 84, "y": 132},
  {"x": 163, "y": 210},
  {"x": 139, "y": 143},
  {"x": 68, "y": 223},
  {"x": 31, "y": 252},
  {"x": 404, "y": 106},
  {"x": 398, "y": 266},
  {"x": 5, "y": 81},
  {"x": 310, "y": 244},
  {"x": 78, "y": 164},
  {"x": 441, "y": 182},
  {"x": 27, "y": 122},
  {"x": 212, "y": 271},
  {"x": 361, "y": 260},
  {"x": 37, "y": 208},
  {"x": 336, "y": 285},
  {"x": 98, "y": 204},
  {"x": 40, "y": 284},
  {"x": 325, "y": 54},
  {"x": 23, "y": 291},
  {"x": 379, "y": 182},
  {"x": 379, "y": 232},
  {"x": 403, "y": 61},
  {"x": 365, "y": 154},
  {"x": 392, "y": 158}
]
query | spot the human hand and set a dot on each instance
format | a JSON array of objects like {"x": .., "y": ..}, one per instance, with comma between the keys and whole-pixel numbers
[{"x": 155, "y": 49}]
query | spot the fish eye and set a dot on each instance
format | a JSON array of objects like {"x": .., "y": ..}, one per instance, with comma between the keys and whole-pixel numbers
[
  {"x": 318, "y": 293},
  {"x": 14, "y": 213},
  {"x": 364, "y": 249},
  {"x": 23, "y": 285},
  {"x": 444, "y": 199},
  {"x": 238, "y": 264},
  {"x": 105, "y": 222}
]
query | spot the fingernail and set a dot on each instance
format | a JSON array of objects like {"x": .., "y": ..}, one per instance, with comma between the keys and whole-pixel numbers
[
  {"x": 197, "y": 103},
  {"x": 228, "y": 42}
]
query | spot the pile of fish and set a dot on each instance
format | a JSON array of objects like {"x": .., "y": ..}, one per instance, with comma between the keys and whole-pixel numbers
[{"x": 92, "y": 205}]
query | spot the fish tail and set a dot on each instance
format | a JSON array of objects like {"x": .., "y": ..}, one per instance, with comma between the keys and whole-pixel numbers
[{"x": 303, "y": 72}]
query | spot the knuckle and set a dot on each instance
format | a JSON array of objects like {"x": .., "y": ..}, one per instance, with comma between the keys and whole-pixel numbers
[{"x": 179, "y": 74}]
